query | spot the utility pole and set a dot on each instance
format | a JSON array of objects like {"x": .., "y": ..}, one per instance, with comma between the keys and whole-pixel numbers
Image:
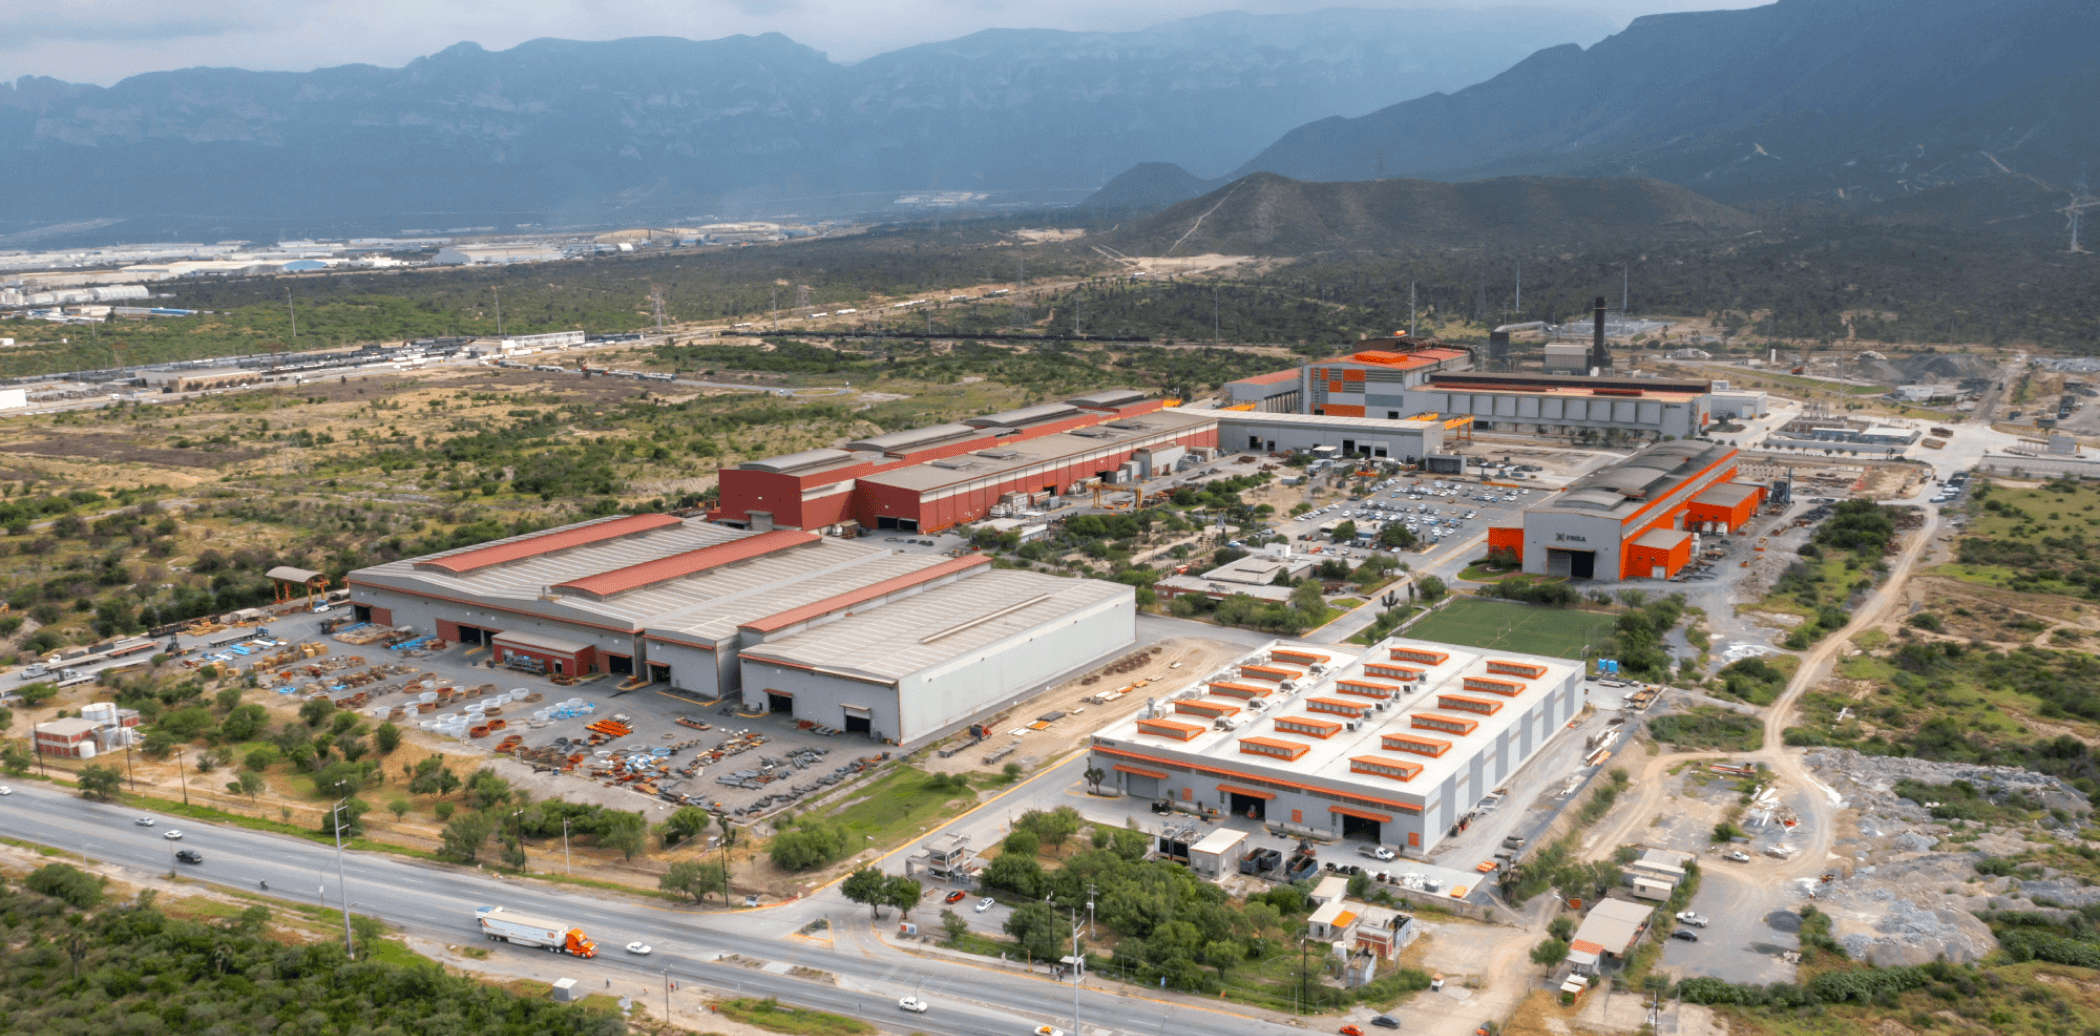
[
  {"x": 1216, "y": 334},
  {"x": 656, "y": 301},
  {"x": 667, "y": 996},
  {"x": 1520, "y": 291},
  {"x": 499, "y": 310},
  {"x": 1077, "y": 964},
  {"x": 342, "y": 881},
  {"x": 1410, "y": 309},
  {"x": 1301, "y": 974},
  {"x": 1625, "y": 288},
  {"x": 565, "y": 847},
  {"x": 185, "y": 778},
  {"x": 293, "y": 311}
]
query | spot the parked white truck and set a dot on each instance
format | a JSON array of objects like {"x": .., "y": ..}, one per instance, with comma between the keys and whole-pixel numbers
[{"x": 503, "y": 925}]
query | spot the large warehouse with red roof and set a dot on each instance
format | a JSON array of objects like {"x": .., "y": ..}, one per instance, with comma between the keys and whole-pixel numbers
[{"x": 843, "y": 633}]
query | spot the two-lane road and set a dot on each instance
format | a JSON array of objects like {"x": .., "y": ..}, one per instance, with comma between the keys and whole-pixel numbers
[{"x": 438, "y": 901}]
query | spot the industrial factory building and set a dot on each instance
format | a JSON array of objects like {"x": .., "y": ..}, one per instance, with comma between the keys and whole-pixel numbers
[
  {"x": 1403, "y": 439},
  {"x": 1402, "y": 379},
  {"x": 1638, "y": 519},
  {"x": 784, "y": 619},
  {"x": 1391, "y": 747},
  {"x": 926, "y": 479}
]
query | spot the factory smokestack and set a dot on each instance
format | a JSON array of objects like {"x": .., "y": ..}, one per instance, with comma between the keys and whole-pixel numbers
[{"x": 1600, "y": 359}]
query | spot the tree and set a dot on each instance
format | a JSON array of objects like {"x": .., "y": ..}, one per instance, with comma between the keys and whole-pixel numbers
[
  {"x": 1398, "y": 535},
  {"x": 260, "y": 758},
  {"x": 1431, "y": 588},
  {"x": 249, "y": 783},
  {"x": 626, "y": 832},
  {"x": 1094, "y": 776},
  {"x": 1222, "y": 955},
  {"x": 1562, "y": 928},
  {"x": 386, "y": 738},
  {"x": 463, "y": 838},
  {"x": 685, "y": 823},
  {"x": 1345, "y": 532},
  {"x": 1051, "y": 828},
  {"x": 101, "y": 783},
  {"x": 867, "y": 886},
  {"x": 1549, "y": 953},
  {"x": 1035, "y": 927},
  {"x": 316, "y": 711},
  {"x": 812, "y": 844},
  {"x": 66, "y": 882},
  {"x": 1011, "y": 771},
  {"x": 1022, "y": 842},
  {"x": 15, "y": 759},
  {"x": 903, "y": 893},
  {"x": 398, "y": 807},
  {"x": 695, "y": 878},
  {"x": 1015, "y": 873},
  {"x": 351, "y": 816},
  {"x": 487, "y": 788}
]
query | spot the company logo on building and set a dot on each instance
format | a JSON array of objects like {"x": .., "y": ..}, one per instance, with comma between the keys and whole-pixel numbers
[{"x": 1565, "y": 537}]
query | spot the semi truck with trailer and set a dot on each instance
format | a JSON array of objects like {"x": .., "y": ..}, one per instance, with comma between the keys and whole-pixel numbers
[{"x": 505, "y": 925}]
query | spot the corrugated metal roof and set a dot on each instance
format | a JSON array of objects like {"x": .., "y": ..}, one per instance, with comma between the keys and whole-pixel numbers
[
  {"x": 537, "y": 642},
  {"x": 775, "y": 584},
  {"x": 692, "y": 562},
  {"x": 547, "y": 542},
  {"x": 839, "y": 602},
  {"x": 887, "y": 644},
  {"x": 293, "y": 575},
  {"x": 1270, "y": 379}
]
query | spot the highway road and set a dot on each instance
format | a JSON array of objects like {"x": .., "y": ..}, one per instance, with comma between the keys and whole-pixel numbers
[{"x": 438, "y": 901}]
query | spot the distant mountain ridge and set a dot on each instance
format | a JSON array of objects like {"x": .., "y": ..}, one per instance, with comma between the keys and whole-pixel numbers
[
  {"x": 1266, "y": 214},
  {"x": 556, "y": 129},
  {"x": 1829, "y": 99}
]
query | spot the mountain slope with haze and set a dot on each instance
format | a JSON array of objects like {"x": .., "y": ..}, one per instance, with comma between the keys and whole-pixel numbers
[{"x": 664, "y": 127}]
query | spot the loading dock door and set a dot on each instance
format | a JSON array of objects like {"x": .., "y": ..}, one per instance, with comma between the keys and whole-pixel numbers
[
  {"x": 857, "y": 720},
  {"x": 1142, "y": 787},
  {"x": 778, "y": 702},
  {"x": 1358, "y": 827},
  {"x": 1249, "y": 806},
  {"x": 659, "y": 672},
  {"x": 1572, "y": 564}
]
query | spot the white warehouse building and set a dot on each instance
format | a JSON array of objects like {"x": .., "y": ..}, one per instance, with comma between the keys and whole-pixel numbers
[
  {"x": 842, "y": 633},
  {"x": 1391, "y": 747},
  {"x": 1403, "y": 439}
]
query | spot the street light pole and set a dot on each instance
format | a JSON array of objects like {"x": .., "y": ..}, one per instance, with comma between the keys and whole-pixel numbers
[
  {"x": 184, "y": 776},
  {"x": 565, "y": 847},
  {"x": 1076, "y": 973}
]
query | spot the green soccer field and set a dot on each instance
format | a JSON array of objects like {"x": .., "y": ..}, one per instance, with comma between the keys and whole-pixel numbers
[{"x": 1555, "y": 632}]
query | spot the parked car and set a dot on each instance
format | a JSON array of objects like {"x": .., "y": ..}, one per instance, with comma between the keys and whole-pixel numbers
[
  {"x": 985, "y": 904},
  {"x": 1376, "y": 852},
  {"x": 956, "y": 896},
  {"x": 1386, "y": 1021},
  {"x": 1350, "y": 1030},
  {"x": 1686, "y": 934},
  {"x": 1737, "y": 856},
  {"x": 1692, "y": 919}
]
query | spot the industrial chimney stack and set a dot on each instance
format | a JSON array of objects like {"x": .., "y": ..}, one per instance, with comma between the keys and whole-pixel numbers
[{"x": 1600, "y": 358}]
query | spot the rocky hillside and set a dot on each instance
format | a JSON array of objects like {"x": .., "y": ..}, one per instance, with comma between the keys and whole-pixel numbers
[
  {"x": 1265, "y": 214},
  {"x": 1831, "y": 99},
  {"x": 665, "y": 128}
]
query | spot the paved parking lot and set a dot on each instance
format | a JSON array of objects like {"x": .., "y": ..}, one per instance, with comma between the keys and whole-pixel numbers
[
  {"x": 1431, "y": 507},
  {"x": 1745, "y": 932}
]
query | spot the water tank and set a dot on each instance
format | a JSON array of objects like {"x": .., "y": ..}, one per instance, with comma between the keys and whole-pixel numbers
[{"x": 99, "y": 712}]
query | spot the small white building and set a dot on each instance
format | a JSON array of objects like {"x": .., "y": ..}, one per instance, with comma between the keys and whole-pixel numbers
[{"x": 1218, "y": 854}]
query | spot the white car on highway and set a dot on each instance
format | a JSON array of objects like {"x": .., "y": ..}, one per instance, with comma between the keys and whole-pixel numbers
[
  {"x": 640, "y": 949},
  {"x": 912, "y": 1004}
]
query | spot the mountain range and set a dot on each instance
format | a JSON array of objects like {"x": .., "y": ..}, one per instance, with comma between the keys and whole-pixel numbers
[
  {"x": 664, "y": 128},
  {"x": 1837, "y": 101},
  {"x": 1266, "y": 214}
]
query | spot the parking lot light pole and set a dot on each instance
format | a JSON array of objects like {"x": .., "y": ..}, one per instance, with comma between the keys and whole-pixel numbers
[{"x": 565, "y": 848}]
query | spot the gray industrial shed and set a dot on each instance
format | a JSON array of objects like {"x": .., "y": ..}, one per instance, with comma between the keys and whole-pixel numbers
[
  {"x": 908, "y": 674},
  {"x": 1401, "y": 439}
]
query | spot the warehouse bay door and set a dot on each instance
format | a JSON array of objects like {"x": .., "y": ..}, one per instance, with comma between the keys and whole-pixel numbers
[{"x": 1571, "y": 564}]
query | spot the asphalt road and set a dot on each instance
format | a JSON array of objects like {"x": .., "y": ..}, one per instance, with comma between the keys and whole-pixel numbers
[{"x": 438, "y": 901}]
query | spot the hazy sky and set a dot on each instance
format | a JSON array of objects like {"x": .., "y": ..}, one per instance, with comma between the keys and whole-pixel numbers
[{"x": 102, "y": 41}]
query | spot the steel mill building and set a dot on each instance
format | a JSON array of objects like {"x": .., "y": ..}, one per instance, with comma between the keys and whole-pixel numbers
[
  {"x": 1392, "y": 747},
  {"x": 785, "y": 620},
  {"x": 1638, "y": 519}
]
